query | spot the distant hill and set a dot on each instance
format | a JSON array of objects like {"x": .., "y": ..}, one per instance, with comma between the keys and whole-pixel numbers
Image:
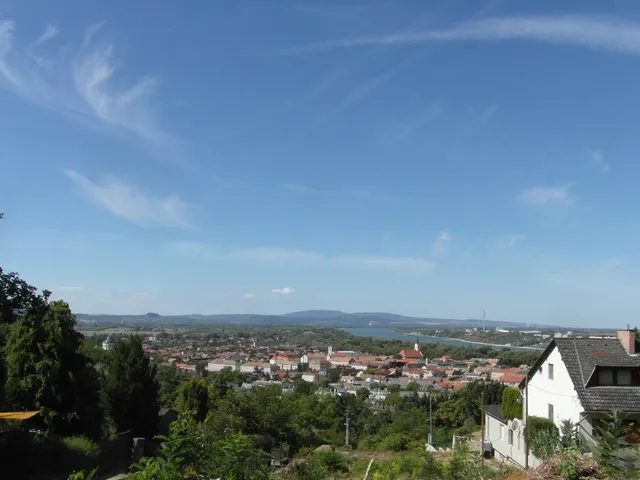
[
  {"x": 315, "y": 314},
  {"x": 316, "y": 318}
]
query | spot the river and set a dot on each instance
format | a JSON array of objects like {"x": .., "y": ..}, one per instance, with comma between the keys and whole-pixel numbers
[{"x": 386, "y": 333}]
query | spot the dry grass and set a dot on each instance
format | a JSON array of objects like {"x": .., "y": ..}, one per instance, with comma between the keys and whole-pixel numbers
[{"x": 550, "y": 470}]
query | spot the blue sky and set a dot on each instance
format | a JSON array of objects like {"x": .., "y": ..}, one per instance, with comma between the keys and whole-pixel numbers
[{"x": 425, "y": 158}]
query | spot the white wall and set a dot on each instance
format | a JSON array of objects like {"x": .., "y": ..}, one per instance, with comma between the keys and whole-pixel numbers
[
  {"x": 559, "y": 392},
  {"x": 216, "y": 367},
  {"x": 497, "y": 433}
]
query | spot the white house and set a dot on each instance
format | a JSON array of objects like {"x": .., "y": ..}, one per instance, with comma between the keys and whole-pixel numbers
[
  {"x": 576, "y": 379},
  {"x": 262, "y": 367},
  {"x": 507, "y": 437},
  {"x": 583, "y": 379},
  {"x": 109, "y": 343},
  {"x": 220, "y": 363}
]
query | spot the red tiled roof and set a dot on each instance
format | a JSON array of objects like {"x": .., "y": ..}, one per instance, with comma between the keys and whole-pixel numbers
[
  {"x": 512, "y": 378},
  {"x": 410, "y": 354}
]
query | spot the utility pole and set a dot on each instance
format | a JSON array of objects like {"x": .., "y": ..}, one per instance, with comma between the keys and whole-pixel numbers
[
  {"x": 526, "y": 417},
  {"x": 482, "y": 429},
  {"x": 430, "y": 423},
  {"x": 347, "y": 413}
]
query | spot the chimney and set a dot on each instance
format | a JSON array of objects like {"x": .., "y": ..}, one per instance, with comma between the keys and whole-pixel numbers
[{"x": 628, "y": 339}]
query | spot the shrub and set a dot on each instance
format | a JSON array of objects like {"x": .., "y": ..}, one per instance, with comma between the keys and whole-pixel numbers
[
  {"x": 80, "y": 444},
  {"x": 332, "y": 461},
  {"x": 511, "y": 406},
  {"x": 542, "y": 435},
  {"x": 395, "y": 442}
]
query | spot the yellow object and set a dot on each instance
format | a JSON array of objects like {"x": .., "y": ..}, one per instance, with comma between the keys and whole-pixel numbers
[{"x": 17, "y": 415}]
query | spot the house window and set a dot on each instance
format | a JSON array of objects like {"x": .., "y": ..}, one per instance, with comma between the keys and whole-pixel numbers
[
  {"x": 550, "y": 412},
  {"x": 510, "y": 437},
  {"x": 551, "y": 371},
  {"x": 605, "y": 377},
  {"x": 501, "y": 431},
  {"x": 540, "y": 370},
  {"x": 624, "y": 377}
]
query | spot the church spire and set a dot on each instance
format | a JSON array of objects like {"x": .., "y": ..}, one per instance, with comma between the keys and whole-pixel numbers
[{"x": 417, "y": 345}]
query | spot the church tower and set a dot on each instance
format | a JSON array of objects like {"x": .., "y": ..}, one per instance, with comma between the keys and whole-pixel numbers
[
  {"x": 417, "y": 345},
  {"x": 329, "y": 352}
]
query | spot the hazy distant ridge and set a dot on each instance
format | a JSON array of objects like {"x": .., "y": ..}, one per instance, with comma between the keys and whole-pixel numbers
[{"x": 309, "y": 317}]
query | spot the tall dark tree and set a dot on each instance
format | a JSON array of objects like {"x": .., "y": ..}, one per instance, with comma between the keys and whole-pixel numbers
[
  {"x": 16, "y": 298},
  {"x": 193, "y": 397},
  {"x": 131, "y": 388},
  {"x": 46, "y": 372}
]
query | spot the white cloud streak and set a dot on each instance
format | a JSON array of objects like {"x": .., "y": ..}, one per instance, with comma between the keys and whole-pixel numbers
[
  {"x": 365, "y": 195},
  {"x": 249, "y": 295},
  {"x": 192, "y": 249},
  {"x": 68, "y": 289},
  {"x": 409, "y": 264},
  {"x": 50, "y": 32},
  {"x": 442, "y": 244},
  {"x": 132, "y": 204},
  {"x": 283, "y": 291},
  {"x": 285, "y": 257},
  {"x": 278, "y": 256},
  {"x": 81, "y": 86},
  {"x": 598, "y": 33},
  {"x": 488, "y": 113},
  {"x": 597, "y": 160},
  {"x": 548, "y": 196}
]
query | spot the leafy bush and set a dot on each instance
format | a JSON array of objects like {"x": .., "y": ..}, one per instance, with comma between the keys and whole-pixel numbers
[
  {"x": 569, "y": 464},
  {"x": 332, "y": 461},
  {"x": 80, "y": 444},
  {"x": 542, "y": 435},
  {"x": 396, "y": 442},
  {"x": 511, "y": 406}
]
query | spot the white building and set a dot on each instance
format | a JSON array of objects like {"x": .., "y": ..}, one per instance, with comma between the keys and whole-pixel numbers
[
  {"x": 109, "y": 343},
  {"x": 507, "y": 438},
  {"x": 576, "y": 379},
  {"x": 583, "y": 379},
  {"x": 220, "y": 363},
  {"x": 262, "y": 367}
]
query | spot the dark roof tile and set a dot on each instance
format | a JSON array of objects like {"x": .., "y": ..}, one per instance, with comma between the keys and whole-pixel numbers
[{"x": 582, "y": 355}]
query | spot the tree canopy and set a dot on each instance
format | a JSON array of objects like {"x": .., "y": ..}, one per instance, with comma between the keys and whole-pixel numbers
[{"x": 131, "y": 388}]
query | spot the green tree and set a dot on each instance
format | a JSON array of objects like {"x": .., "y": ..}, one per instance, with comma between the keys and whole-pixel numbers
[
  {"x": 193, "y": 396},
  {"x": 511, "y": 404},
  {"x": 16, "y": 298},
  {"x": 46, "y": 372},
  {"x": 169, "y": 379},
  {"x": 131, "y": 388},
  {"x": 607, "y": 450}
]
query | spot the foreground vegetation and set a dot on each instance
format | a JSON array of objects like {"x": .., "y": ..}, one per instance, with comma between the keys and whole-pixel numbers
[{"x": 85, "y": 395}]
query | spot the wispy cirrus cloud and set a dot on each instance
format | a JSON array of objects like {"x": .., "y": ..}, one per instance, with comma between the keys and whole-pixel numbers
[
  {"x": 510, "y": 241},
  {"x": 559, "y": 195},
  {"x": 297, "y": 189},
  {"x": 283, "y": 291},
  {"x": 377, "y": 262},
  {"x": 277, "y": 255},
  {"x": 488, "y": 113},
  {"x": 595, "y": 32},
  {"x": 441, "y": 245},
  {"x": 405, "y": 128},
  {"x": 68, "y": 289},
  {"x": 286, "y": 257},
  {"x": 131, "y": 203},
  {"x": 249, "y": 295},
  {"x": 192, "y": 249},
  {"x": 81, "y": 85},
  {"x": 597, "y": 160},
  {"x": 50, "y": 32}
]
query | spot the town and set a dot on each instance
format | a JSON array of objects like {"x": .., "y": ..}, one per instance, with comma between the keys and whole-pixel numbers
[{"x": 339, "y": 371}]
